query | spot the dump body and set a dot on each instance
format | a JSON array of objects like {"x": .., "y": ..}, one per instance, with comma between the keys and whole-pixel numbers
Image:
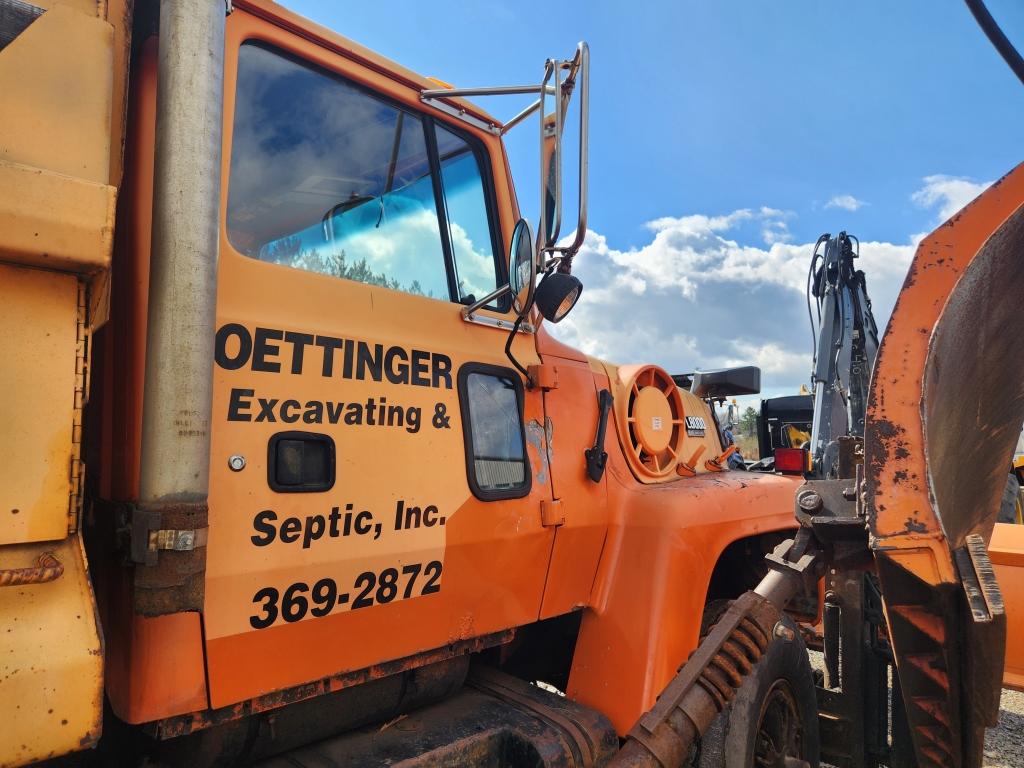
[{"x": 61, "y": 127}]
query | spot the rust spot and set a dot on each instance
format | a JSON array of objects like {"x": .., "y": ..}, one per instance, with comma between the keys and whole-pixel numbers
[
  {"x": 915, "y": 526},
  {"x": 89, "y": 740},
  {"x": 901, "y": 476}
]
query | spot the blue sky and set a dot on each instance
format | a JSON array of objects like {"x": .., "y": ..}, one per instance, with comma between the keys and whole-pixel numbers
[{"x": 732, "y": 125}]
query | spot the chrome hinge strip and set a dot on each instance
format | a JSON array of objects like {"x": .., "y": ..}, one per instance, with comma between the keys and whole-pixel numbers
[
  {"x": 497, "y": 322},
  {"x": 461, "y": 114}
]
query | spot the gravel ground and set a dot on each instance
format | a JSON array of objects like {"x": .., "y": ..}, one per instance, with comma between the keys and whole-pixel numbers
[{"x": 1004, "y": 744}]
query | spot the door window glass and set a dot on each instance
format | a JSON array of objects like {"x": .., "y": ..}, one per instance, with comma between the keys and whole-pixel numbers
[
  {"x": 492, "y": 416},
  {"x": 329, "y": 178},
  {"x": 468, "y": 222}
]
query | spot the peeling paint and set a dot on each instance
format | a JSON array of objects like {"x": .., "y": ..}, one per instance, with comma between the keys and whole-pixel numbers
[
  {"x": 916, "y": 526},
  {"x": 541, "y": 438}
]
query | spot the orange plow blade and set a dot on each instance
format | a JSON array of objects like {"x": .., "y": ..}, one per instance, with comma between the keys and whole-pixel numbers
[{"x": 945, "y": 410}]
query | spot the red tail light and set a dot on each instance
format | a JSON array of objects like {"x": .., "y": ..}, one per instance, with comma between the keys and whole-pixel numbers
[{"x": 791, "y": 460}]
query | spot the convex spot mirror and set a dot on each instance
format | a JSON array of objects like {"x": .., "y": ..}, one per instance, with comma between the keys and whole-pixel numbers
[
  {"x": 522, "y": 268},
  {"x": 557, "y": 294}
]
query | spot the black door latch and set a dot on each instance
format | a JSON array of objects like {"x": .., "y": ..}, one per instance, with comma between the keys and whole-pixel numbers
[{"x": 597, "y": 457}]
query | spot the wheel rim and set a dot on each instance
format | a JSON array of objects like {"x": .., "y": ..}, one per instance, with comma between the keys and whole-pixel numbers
[{"x": 779, "y": 730}]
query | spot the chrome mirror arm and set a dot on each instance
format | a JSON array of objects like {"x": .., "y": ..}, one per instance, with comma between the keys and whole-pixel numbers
[{"x": 497, "y": 293}]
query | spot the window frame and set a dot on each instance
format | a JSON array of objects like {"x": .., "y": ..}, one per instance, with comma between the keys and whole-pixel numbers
[
  {"x": 428, "y": 121},
  {"x": 496, "y": 371}
]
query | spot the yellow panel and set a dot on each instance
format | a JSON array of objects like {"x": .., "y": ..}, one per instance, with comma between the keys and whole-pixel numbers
[
  {"x": 56, "y": 79},
  {"x": 55, "y": 221},
  {"x": 38, "y": 334},
  {"x": 91, "y": 7},
  {"x": 51, "y": 659}
]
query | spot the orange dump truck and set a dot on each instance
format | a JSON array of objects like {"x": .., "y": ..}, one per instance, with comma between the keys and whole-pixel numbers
[{"x": 291, "y": 469}]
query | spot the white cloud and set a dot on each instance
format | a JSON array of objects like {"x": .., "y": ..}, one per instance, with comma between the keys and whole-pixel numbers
[
  {"x": 770, "y": 357},
  {"x": 694, "y": 297},
  {"x": 949, "y": 193},
  {"x": 774, "y": 228},
  {"x": 845, "y": 202}
]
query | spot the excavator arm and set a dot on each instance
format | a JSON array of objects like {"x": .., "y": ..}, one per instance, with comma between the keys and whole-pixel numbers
[{"x": 846, "y": 342}]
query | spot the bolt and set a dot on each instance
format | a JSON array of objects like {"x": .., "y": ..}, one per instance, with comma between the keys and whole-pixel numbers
[
  {"x": 849, "y": 494},
  {"x": 783, "y": 632},
  {"x": 236, "y": 463},
  {"x": 810, "y": 502}
]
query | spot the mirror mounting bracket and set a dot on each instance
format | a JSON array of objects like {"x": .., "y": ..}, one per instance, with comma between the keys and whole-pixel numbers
[
  {"x": 576, "y": 77},
  {"x": 497, "y": 322}
]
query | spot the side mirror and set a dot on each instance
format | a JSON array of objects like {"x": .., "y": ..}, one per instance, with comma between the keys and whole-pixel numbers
[
  {"x": 576, "y": 76},
  {"x": 551, "y": 194},
  {"x": 522, "y": 268}
]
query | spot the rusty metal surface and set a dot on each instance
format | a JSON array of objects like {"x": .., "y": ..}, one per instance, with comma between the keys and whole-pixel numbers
[
  {"x": 182, "y": 725},
  {"x": 262, "y": 735},
  {"x": 584, "y": 733},
  {"x": 854, "y": 718},
  {"x": 176, "y": 580},
  {"x": 974, "y": 359},
  {"x": 47, "y": 568},
  {"x": 947, "y": 401},
  {"x": 497, "y": 720}
]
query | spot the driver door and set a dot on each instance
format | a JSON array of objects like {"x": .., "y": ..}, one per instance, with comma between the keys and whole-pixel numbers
[{"x": 373, "y": 495}]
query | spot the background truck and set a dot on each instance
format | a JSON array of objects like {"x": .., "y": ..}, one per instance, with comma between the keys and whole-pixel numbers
[{"x": 292, "y": 467}]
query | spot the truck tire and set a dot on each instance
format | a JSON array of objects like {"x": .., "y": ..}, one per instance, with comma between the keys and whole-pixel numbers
[{"x": 773, "y": 720}]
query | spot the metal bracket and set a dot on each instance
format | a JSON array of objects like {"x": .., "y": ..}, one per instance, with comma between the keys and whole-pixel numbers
[
  {"x": 544, "y": 376},
  {"x": 178, "y": 541},
  {"x": 551, "y": 513},
  {"x": 145, "y": 537},
  {"x": 497, "y": 322},
  {"x": 460, "y": 114}
]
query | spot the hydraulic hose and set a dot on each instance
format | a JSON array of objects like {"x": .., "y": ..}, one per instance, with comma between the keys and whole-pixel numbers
[{"x": 995, "y": 36}]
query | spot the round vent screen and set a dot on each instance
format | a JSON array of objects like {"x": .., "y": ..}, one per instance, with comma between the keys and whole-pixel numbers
[{"x": 654, "y": 420}]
